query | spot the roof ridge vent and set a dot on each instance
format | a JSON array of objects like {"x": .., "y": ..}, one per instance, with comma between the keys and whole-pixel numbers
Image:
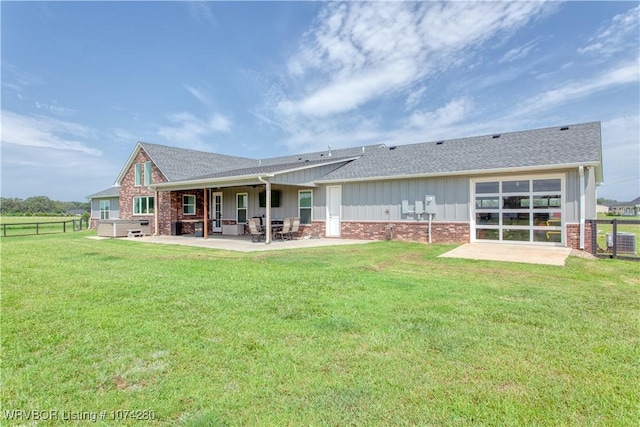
[
  {"x": 564, "y": 128},
  {"x": 496, "y": 136}
]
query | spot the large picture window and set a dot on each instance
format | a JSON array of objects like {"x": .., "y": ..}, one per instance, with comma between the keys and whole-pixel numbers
[
  {"x": 241, "y": 207},
  {"x": 189, "y": 204},
  {"x": 143, "y": 205},
  {"x": 105, "y": 208},
  {"x": 304, "y": 206}
]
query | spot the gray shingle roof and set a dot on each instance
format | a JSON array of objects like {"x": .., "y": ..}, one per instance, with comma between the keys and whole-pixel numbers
[
  {"x": 178, "y": 164},
  {"x": 575, "y": 144},
  {"x": 261, "y": 168},
  {"x": 568, "y": 145},
  {"x": 109, "y": 192},
  {"x": 634, "y": 202}
]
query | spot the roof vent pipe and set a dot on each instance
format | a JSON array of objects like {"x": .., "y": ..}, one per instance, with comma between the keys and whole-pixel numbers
[
  {"x": 363, "y": 149},
  {"x": 329, "y": 150}
]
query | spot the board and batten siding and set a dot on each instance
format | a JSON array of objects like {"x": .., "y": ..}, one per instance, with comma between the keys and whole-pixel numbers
[
  {"x": 572, "y": 207},
  {"x": 114, "y": 207},
  {"x": 370, "y": 200}
]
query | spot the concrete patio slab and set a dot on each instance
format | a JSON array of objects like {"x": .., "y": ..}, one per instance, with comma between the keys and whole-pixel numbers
[
  {"x": 244, "y": 243},
  {"x": 530, "y": 254}
]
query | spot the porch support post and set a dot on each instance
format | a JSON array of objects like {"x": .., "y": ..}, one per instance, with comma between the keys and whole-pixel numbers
[
  {"x": 582, "y": 206},
  {"x": 267, "y": 233},
  {"x": 206, "y": 214}
]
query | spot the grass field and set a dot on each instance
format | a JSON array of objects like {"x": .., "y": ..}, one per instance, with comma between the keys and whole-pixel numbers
[
  {"x": 26, "y": 225},
  {"x": 380, "y": 334}
]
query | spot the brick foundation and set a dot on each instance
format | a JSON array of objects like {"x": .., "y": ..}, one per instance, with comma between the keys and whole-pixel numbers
[
  {"x": 573, "y": 237},
  {"x": 442, "y": 232}
]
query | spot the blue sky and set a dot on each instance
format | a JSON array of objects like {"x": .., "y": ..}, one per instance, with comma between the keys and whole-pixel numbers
[{"x": 82, "y": 82}]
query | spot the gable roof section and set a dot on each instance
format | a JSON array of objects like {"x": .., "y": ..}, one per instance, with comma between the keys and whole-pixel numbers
[
  {"x": 109, "y": 192},
  {"x": 178, "y": 164},
  {"x": 546, "y": 148}
]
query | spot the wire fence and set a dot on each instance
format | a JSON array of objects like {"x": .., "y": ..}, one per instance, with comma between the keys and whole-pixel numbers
[
  {"x": 615, "y": 238},
  {"x": 44, "y": 227}
]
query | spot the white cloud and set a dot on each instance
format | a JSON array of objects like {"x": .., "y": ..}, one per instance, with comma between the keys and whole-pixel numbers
[
  {"x": 55, "y": 109},
  {"x": 360, "y": 51},
  {"x": 201, "y": 12},
  {"x": 189, "y": 130},
  {"x": 45, "y": 132},
  {"x": 570, "y": 91},
  {"x": 455, "y": 111},
  {"x": 197, "y": 94},
  {"x": 519, "y": 52},
  {"x": 621, "y": 34}
]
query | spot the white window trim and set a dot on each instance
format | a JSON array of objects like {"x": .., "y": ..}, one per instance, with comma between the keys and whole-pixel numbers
[
  {"x": 187, "y": 204},
  {"x": 310, "y": 207},
  {"x": 107, "y": 210},
  {"x": 148, "y": 173},
  {"x": 138, "y": 175},
  {"x": 472, "y": 205},
  {"x": 149, "y": 207},
  {"x": 246, "y": 208}
]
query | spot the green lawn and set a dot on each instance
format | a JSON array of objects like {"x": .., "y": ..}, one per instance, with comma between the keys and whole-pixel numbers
[{"x": 377, "y": 334}]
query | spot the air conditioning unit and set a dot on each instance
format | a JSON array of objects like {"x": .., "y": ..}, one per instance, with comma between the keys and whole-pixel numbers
[{"x": 625, "y": 242}]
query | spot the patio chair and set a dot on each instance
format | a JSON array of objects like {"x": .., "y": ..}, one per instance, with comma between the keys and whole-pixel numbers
[
  {"x": 257, "y": 232},
  {"x": 286, "y": 228},
  {"x": 295, "y": 227}
]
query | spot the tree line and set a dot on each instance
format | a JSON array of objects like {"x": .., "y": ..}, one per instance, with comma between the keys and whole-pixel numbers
[{"x": 39, "y": 206}]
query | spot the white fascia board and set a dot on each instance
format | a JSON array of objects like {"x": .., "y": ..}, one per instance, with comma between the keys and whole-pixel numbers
[{"x": 499, "y": 171}]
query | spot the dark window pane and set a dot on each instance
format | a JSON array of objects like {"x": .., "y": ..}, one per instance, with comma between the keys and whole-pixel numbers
[
  {"x": 543, "y": 202},
  {"x": 547, "y": 236},
  {"x": 547, "y": 219},
  {"x": 515, "y": 218},
  {"x": 546, "y": 185},
  {"x": 487, "y": 234},
  {"x": 515, "y": 235},
  {"x": 487, "y": 187},
  {"x": 305, "y": 216},
  {"x": 487, "y": 203},
  {"x": 492, "y": 218},
  {"x": 515, "y": 186},
  {"x": 515, "y": 202}
]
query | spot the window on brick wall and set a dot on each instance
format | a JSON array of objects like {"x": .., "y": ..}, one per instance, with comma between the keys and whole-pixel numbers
[
  {"x": 189, "y": 204},
  {"x": 138, "y": 174},
  {"x": 143, "y": 205},
  {"x": 147, "y": 173}
]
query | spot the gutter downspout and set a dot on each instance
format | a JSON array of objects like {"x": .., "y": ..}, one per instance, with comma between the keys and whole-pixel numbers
[
  {"x": 155, "y": 213},
  {"x": 267, "y": 233},
  {"x": 582, "y": 206}
]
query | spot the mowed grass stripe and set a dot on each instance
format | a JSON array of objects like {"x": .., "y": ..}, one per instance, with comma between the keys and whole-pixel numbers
[{"x": 377, "y": 334}]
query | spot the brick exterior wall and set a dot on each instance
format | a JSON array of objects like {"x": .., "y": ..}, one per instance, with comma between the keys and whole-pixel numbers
[
  {"x": 573, "y": 237},
  {"x": 128, "y": 189}
]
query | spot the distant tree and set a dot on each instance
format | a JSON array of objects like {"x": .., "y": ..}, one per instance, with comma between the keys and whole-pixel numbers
[
  {"x": 38, "y": 205},
  {"x": 606, "y": 202}
]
